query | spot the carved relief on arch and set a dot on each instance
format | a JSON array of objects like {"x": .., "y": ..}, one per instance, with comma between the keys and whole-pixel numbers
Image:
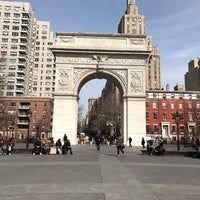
[
  {"x": 78, "y": 72},
  {"x": 123, "y": 75},
  {"x": 64, "y": 79},
  {"x": 136, "y": 82}
]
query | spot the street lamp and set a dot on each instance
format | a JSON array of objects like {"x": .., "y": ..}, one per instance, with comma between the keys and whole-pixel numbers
[
  {"x": 29, "y": 114},
  {"x": 177, "y": 118}
]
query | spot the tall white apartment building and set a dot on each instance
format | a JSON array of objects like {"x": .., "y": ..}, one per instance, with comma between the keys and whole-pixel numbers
[
  {"x": 43, "y": 72},
  {"x": 26, "y": 61}
]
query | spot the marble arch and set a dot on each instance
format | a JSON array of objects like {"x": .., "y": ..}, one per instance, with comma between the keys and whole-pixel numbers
[{"x": 81, "y": 57}]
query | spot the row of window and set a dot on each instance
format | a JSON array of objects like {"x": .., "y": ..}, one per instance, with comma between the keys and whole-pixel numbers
[
  {"x": 8, "y": 14},
  {"x": 172, "y": 116},
  {"x": 12, "y": 40},
  {"x": 191, "y": 105},
  {"x": 15, "y": 8},
  {"x": 156, "y": 129}
]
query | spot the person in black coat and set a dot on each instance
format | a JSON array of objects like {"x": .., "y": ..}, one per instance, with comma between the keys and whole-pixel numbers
[{"x": 67, "y": 146}]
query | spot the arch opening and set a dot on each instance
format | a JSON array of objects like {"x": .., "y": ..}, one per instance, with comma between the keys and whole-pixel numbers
[{"x": 104, "y": 112}]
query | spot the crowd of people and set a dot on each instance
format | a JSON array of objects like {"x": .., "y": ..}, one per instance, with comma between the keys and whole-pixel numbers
[
  {"x": 48, "y": 146},
  {"x": 156, "y": 149},
  {"x": 6, "y": 146}
]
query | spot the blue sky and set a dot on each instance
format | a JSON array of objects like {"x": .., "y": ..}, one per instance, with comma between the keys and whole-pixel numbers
[{"x": 173, "y": 24}]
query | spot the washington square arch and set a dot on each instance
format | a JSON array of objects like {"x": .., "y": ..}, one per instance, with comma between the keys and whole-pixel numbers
[{"x": 81, "y": 57}]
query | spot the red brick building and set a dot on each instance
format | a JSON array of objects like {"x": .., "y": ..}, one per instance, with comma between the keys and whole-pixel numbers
[
  {"x": 162, "y": 108},
  {"x": 25, "y": 117}
]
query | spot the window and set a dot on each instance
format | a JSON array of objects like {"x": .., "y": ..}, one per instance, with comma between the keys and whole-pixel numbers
[
  {"x": 15, "y": 28},
  {"x": 12, "y": 60},
  {"x": 180, "y": 105},
  {"x": 14, "y": 47},
  {"x": 16, "y": 21},
  {"x": 5, "y": 33},
  {"x": 154, "y": 105},
  {"x": 190, "y": 105},
  {"x": 198, "y": 105},
  {"x": 47, "y": 89},
  {"x": 17, "y": 8},
  {"x": 12, "y": 53},
  {"x": 147, "y": 115},
  {"x": 173, "y": 115},
  {"x": 6, "y": 14},
  {"x": 11, "y": 74},
  {"x": 164, "y": 116},
  {"x": 182, "y": 129},
  {"x": 147, "y": 104},
  {"x": 14, "y": 40},
  {"x": 12, "y": 67},
  {"x": 10, "y": 87},
  {"x": 172, "y": 105},
  {"x": 4, "y": 46},
  {"x": 147, "y": 128},
  {"x": 155, "y": 128},
  {"x": 9, "y": 93},
  {"x": 164, "y": 105},
  {"x": 5, "y": 27},
  {"x": 48, "y": 77},
  {"x": 7, "y": 7},
  {"x": 4, "y": 39},
  {"x": 173, "y": 128},
  {"x": 155, "y": 115},
  {"x": 16, "y": 15}
]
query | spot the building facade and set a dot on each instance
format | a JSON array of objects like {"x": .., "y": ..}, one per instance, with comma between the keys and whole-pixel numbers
[
  {"x": 25, "y": 117},
  {"x": 192, "y": 77},
  {"x": 169, "y": 114},
  {"x": 132, "y": 23},
  {"x": 26, "y": 61},
  {"x": 162, "y": 108}
]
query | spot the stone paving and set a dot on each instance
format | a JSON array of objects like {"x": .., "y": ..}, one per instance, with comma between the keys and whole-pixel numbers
[{"x": 91, "y": 174}]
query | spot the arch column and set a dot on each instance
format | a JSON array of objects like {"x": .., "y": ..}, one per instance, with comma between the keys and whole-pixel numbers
[
  {"x": 65, "y": 117},
  {"x": 134, "y": 118}
]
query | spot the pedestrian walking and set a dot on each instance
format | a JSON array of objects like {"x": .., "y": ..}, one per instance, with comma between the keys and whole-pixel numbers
[
  {"x": 98, "y": 142},
  {"x": 120, "y": 145},
  {"x": 143, "y": 143},
  {"x": 67, "y": 145},
  {"x": 130, "y": 141}
]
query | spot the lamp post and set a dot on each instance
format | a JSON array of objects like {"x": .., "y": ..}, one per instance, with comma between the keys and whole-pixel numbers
[
  {"x": 29, "y": 114},
  {"x": 177, "y": 118}
]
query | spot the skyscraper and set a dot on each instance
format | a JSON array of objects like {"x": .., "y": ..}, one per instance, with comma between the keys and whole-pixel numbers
[
  {"x": 43, "y": 71},
  {"x": 134, "y": 24},
  {"x": 26, "y": 62},
  {"x": 192, "y": 77},
  {"x": 16, "y": 22}
]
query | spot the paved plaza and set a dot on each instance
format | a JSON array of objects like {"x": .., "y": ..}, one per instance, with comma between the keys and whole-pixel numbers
[{"x": 93, "y": 175}]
